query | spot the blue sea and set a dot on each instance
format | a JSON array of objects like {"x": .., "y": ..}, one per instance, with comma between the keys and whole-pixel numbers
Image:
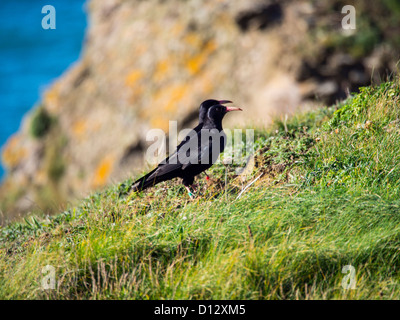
[{"x": 31, "y": 57}]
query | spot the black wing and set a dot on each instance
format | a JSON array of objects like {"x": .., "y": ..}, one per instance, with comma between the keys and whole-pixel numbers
[{"x": 193, "y": 156}]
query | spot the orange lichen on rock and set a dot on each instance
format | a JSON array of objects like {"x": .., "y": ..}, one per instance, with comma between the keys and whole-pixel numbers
[
  {"x": 175, "y": 95},
  {"x": 168, "y": 99},
  {"x": 161, "y": 70},
  {"x": 197, "y": 61},
  {"x": 51, "y": 98},
  {"x": 210, "y": 46},
  {"x": 193, "y": 39},
  {"x": 133, "y": 77},
  {"x": 160, "y": 123},
  {"x": 164, "y": 104},
  {"x": 79, "y": 128},
  {"x": 13, "y": 152},
  {"x": 102, "y": 172}
]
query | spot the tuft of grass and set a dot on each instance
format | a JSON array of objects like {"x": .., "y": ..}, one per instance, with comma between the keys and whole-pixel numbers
[
  {"x": 326, "y": 197},
  {"x": 41, "y": 123}
]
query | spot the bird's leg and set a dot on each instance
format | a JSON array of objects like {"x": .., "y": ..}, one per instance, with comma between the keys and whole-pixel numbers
[
  {"x": 192, "y": 189},
  {"x": 189, "y": 192}
]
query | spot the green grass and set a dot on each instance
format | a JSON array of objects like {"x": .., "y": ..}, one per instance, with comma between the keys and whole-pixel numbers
[{"x": 328, "y": 197}]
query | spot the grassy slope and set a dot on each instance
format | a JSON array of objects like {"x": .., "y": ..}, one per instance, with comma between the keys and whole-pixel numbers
[{"x": 329, "y": 197}]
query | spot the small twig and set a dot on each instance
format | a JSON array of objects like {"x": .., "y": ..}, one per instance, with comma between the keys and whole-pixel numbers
[
  {"x": 250, "y": 232},
  {"x": 284, "y": 123},
  {"x": 240, "y": 194},
  {"x": 226, "y": 182}
]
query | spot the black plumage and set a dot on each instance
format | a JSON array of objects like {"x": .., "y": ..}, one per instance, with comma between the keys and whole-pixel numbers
[{"x": 196, "y": 154}]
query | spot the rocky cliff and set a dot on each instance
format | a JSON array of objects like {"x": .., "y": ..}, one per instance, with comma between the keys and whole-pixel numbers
[{"x": 147, "y": 62}]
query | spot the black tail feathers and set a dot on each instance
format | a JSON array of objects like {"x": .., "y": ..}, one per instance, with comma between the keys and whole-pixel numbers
[
  {"x": 139, "y": 185},
  {"x": 144, "y": 182}
]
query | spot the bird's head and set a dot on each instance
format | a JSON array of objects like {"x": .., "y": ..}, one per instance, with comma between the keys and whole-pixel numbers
[
  {"x": 216, "y": 113},
  {"x": 206, "y": 105}
]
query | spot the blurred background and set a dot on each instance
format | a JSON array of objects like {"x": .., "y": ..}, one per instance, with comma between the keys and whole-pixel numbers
[
  {"x": 77, "y": 101},
  {"x": 32, "y": 58}
]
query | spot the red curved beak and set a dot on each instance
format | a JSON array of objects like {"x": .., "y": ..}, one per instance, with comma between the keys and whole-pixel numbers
[
  {"x": 228, "y": 109},
  {"x": 224, "y": 101}
]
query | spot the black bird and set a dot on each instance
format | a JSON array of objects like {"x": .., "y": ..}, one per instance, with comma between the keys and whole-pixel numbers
[
  {"x": 204, "y": 107},
  {"x": 194, "y": 156}
]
